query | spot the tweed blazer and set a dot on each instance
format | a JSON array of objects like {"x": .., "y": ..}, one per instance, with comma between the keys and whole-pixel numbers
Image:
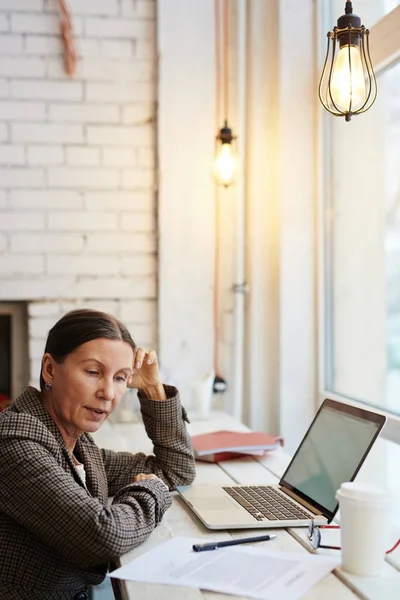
[{"x": 57, "y": 535}]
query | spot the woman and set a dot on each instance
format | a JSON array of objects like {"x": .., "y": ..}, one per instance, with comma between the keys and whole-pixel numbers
[{"x": 57, "y": 530}]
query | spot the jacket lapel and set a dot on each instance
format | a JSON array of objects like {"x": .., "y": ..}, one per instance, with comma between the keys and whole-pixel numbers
[
  {"x": 86, "y": 451},
  {"x": 90, "y": 456}
]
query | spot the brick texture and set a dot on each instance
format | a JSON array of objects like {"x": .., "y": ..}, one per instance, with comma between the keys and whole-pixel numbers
[{"x": 77, "y": 206}]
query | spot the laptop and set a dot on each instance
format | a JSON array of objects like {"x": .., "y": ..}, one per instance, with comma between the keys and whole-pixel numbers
[{"x": 331, "y": 452}]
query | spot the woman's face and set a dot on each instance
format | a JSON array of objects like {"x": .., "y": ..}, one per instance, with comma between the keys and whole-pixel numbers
[{"x": 87, "y": 386}]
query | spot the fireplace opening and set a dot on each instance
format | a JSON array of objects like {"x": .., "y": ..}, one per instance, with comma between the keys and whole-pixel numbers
[
  {"x": 14, "y": 360},
  {"x": 5, "y": 358}
]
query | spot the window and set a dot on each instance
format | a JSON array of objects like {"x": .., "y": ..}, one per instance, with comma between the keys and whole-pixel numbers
[
  {"x": 378, "y": 9},
  {"x": 364, "y": 253},
  {"x": 362, "y": 242},
  {"x": 361, "y": 272}
]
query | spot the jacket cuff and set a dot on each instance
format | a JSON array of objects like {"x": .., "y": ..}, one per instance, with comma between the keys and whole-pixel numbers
[
  {"x": 156, "y": 408},
  {"x": 145, "y": 488}
]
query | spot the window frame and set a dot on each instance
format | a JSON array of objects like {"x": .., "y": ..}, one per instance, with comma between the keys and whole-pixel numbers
[{"x": 385, "y": 53}]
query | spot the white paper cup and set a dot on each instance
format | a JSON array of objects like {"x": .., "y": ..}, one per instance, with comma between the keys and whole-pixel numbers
[{"x": 365, "y": 516}]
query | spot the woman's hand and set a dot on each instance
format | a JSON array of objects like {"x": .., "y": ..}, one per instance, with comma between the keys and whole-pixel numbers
[
  {"x": 142, "y": 476},
  {"x": 146, "y": 375}
]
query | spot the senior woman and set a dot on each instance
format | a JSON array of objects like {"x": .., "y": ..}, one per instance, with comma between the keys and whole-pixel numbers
[{"x": 57, "y": 530}]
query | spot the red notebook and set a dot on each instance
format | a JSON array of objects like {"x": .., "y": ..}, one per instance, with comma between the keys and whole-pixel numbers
[{"x": 225, "y": 445}]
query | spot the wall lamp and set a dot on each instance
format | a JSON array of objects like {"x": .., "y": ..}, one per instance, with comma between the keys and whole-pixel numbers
[{"x": 348, "y": 84}]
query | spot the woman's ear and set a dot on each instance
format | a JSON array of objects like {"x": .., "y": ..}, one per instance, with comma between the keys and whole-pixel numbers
[{"x": 47, "y": 367}]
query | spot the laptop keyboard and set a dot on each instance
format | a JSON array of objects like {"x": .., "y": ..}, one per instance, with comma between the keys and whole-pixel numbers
[{"x": 264, "y": 502}]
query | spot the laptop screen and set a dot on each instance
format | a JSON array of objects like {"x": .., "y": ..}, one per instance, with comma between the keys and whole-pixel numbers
[{"x": 332, "y": 451}]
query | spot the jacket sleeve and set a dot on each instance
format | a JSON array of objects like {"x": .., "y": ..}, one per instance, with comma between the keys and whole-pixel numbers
[
  {"x": 45, "y": 500},
  {"x": 173, "y": 459}
]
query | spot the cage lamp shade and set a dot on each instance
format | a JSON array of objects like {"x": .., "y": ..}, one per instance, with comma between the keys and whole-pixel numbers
[
  {"x": 226, "y": 163},
  {"x": 348, "y": 85}
]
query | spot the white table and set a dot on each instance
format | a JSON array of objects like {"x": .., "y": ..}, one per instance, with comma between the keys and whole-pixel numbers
[{"x": 179, "y": 520}]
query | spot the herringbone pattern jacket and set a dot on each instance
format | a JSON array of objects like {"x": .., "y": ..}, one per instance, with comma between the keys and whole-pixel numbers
[{"x": 56, "y": 535}]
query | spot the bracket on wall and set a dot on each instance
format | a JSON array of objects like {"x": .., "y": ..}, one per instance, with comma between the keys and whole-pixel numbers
[{"x": 240, "y": 288}]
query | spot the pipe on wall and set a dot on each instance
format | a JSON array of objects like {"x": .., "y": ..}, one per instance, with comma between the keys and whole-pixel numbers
[{"x": 239, "y": 287}]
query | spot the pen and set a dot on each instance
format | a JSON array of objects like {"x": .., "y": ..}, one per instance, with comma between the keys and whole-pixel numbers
[{"x": 215, "y": 545}]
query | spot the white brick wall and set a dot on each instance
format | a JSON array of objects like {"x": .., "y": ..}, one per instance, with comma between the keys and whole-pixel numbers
[
  {"x": 3, "y": 132},
  {"x": 11, "y": 221},
  {"x": 12, "y": 155},
  {"x": 77, "y": 225},
  {"x": 11, "y": 44},
  {"x": 33, "y": 200},
  {"x": 3, "y": 23},
  {"x": 43, "y": 45},
  {"x": 78, "y": 156},
  {"x": 12, "y": 110},
  {"x": 29, "y": 89},
  {"x": 22, "y": 5},
  {"x": 44, "y": 133},
  {"x": 12, "y": 66},
  {"x": 135, "y": 200},
  {"x": 4, "y": 87},
  {"x": 22, "y": 178},
  {"x": 84, "y": 113},
  {"x": 45, "y": 155}
]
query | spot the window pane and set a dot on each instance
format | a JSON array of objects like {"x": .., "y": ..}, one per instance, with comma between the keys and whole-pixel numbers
[
  {"x": 363, "y": 252},
  {"x": 392, "y": 241},
  {"x": 370, "y": 11},
  {"x": 381, "y": 467},
  {"x": 384, "y": 8}
]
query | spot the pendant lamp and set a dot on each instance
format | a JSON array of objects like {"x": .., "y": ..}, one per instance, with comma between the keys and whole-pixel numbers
[
  {"x": 226, "y": 160},
  {"x": 348, "y": 84},
  {"x": 226, "y": 163}
]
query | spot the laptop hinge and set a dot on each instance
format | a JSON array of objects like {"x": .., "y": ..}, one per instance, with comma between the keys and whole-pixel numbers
[{"x": 301, "y": 501}]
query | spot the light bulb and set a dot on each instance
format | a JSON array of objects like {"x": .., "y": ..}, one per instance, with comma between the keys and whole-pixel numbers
[
  {"x": 348, "y": 86},
  {"x": 226, "y": 165}
]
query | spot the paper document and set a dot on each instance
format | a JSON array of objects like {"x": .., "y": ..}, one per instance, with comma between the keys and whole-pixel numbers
[{"x": 238, "y": 570}]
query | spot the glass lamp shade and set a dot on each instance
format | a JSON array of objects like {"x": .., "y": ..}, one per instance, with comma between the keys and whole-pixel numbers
[
  {"x": 348, "y": 84},
  {"x": 226, "y": 165}
]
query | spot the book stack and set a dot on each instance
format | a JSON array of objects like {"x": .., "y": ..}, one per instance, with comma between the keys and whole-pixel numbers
[
  {"x": 226, "y": 445},
  {"x": 5, "y": 401}
]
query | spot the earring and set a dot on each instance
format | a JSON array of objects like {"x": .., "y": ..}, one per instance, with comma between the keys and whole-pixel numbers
[{"x": 48, "y": 386}]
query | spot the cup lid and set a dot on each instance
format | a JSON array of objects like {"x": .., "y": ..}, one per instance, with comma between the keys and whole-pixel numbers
[{"x": 365, "y": 492}]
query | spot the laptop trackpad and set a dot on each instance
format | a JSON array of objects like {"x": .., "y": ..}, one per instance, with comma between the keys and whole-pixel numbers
[{"x": 215, "y": 503}]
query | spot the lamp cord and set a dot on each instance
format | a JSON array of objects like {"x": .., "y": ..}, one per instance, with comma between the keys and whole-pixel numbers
[
  {"x": 217, "y": 61},
  {"x": 67, "y": 37},
  {"x": 216, "y": 188},
  {"x": 226, "y": 59}
]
